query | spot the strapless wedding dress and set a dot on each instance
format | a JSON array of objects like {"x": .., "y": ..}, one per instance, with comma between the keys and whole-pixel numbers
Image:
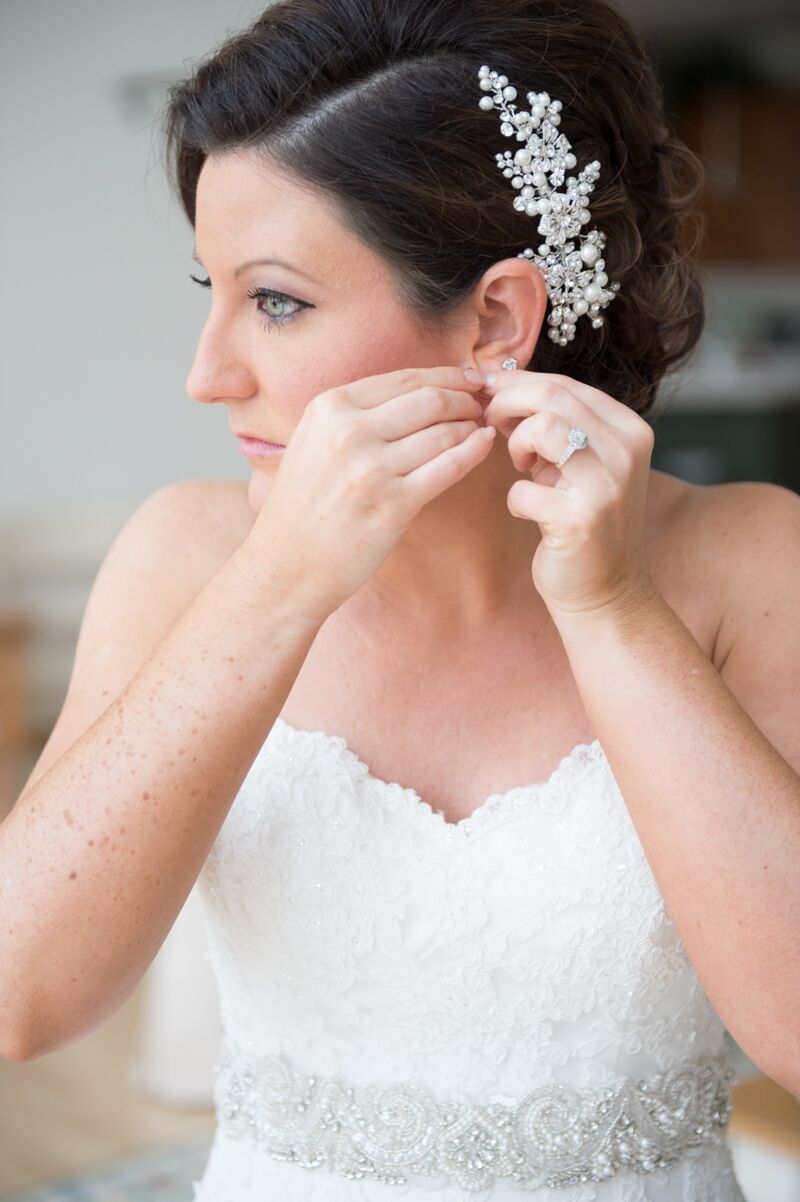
[{"x": 499, "y": 1008}]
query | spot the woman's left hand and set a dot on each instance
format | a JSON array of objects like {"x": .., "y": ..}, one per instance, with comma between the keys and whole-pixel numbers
[{"x": 592, "y": 510}]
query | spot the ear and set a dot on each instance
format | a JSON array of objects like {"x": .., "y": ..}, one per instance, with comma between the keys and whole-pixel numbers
[{"x": 510, "y": 302}]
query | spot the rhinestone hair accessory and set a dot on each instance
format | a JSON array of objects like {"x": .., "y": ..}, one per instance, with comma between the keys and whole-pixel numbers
[{"x": 574, "y": 274}]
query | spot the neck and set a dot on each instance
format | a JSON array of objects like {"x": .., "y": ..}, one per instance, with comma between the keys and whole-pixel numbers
[{"x": 465, "y": 560}]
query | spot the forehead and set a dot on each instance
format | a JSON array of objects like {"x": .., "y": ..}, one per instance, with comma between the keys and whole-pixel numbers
[{"x": 245, "y": 206}]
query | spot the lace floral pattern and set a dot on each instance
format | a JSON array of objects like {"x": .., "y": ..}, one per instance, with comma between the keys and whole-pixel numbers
[{"x": 355, "y": 931}]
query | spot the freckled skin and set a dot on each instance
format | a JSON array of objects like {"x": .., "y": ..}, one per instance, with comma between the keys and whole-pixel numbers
[{"x": 464, "y": 547}]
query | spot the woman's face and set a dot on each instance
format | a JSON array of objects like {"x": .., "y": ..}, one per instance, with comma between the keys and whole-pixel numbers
[{"x": 336, "y": 319}]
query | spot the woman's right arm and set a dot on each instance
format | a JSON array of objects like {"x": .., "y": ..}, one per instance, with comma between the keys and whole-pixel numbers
[{"x": 102, "y": 848}]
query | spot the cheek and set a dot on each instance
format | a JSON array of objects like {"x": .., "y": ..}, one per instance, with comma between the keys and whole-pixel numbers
[
  {"x": 385, "y": 344},
  {"x": 365, "y": 345}
]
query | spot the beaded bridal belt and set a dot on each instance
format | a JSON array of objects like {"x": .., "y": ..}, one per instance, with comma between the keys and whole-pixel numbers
[{"x": 553, "y": 1136}]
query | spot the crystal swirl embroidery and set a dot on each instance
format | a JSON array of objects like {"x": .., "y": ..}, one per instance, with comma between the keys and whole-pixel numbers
[{"x": 554, "y": 1136}]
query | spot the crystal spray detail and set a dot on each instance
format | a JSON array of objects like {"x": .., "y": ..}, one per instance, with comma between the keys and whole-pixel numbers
[{"x": 574, "y": 273}]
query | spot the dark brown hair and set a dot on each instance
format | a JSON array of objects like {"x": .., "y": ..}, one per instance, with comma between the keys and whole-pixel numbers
[{"x": 375, "y": 103}]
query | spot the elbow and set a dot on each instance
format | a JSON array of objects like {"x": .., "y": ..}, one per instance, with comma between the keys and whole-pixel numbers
[
  {"x": 11, "y": 1045},
  {"x": 16, "y": 1051},
  {"x": 17, "y": 1044},
  {"x": 29, "y": 1032},
  {"x": 25, "y": 1045},
  {"x": 31, "y": 1037},
  {"x": 22, "y": 1034},
  {"x": 782, "y": 1063}
]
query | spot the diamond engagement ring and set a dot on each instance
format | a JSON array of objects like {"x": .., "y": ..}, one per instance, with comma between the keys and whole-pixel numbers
[{"x": 576, "y": 441}]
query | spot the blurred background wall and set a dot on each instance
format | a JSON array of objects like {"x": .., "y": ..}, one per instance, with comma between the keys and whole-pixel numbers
[
  {"x": 98, "y": 316},
  {"x": 98, "y": 324}
]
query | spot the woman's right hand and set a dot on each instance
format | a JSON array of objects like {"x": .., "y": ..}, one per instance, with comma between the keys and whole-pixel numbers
[{"x": 361, "y": 463}]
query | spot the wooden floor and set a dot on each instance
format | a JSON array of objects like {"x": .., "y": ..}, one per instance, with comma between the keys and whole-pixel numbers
[
  {"x": 764, "y": 1111},
  {"x": 63, "y": 1113}
]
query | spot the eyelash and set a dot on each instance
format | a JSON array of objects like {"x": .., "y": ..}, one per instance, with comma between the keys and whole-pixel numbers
[{"x": 270, "y": 323}]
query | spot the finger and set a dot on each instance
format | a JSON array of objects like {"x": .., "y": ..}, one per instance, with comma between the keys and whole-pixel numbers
[
  {"x": 370, "y": 391},
  {"x": 402, "y": 455},
  {"x": 549, "y": 384},
  {"x": 544, "y": 436},
  {"x": 524, "y": 398},
  {"x": 405, "y": 414},
  {"x": 436, "y": 474},
  {"x": 538, "y": 503}
]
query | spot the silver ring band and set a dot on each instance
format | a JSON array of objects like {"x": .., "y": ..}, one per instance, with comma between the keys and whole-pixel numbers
[{"x": 577, "y": 439}]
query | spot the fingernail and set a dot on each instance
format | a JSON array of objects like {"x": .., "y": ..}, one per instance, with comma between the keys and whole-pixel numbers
[
  {"x": 490, "y": 379},
  {"x": 472, "y": 374}
]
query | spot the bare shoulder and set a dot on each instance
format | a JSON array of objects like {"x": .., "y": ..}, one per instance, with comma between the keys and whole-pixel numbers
[
  {"x": 733, "y": 525},
  {"x": 198, "y": 524},
  {"x": 687, "y": 553},
  {"x": 748, "y": 533},
  {"x": 734, "y": 538},
  {"x": 166, "y": 552},
  {"x": 216, "y": 509},
  {"x": 712, "y": 521}
]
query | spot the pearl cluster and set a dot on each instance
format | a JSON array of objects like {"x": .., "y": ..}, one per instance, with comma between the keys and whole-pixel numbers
[
  {"x": 554, "y": 1136},
  {"x": 575, "y": 278}
]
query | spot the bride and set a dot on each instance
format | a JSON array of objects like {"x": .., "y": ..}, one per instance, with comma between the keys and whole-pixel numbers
[{"x": 324, "y": 695}]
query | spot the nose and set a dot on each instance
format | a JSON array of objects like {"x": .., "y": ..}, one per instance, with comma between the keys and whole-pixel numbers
[{"x": 218, "y": 372}]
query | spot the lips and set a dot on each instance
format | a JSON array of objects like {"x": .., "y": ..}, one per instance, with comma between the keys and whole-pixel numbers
[{"x": 256, "y": 438}]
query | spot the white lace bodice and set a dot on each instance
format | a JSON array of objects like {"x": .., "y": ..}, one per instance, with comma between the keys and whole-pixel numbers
[{"x": 358, "y": 937}]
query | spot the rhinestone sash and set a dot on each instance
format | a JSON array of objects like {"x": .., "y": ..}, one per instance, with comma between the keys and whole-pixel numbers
[{"x": 553, "y": 1136}]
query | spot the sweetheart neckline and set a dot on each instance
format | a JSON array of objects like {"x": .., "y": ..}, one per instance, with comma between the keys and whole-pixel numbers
[{"x": 581, "y": 753}]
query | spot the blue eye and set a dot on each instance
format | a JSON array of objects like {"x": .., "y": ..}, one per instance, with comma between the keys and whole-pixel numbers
[{"x": 270, "y": 294}]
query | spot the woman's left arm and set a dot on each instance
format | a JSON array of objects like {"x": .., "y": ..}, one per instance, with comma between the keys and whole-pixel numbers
[{"x": 708, "y": 762}]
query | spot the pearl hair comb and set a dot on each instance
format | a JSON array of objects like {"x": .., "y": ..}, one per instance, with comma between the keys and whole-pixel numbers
[{"x": 575, "y": 277}]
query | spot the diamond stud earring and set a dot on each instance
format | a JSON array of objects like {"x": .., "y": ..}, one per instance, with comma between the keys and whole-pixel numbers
[{"x": 509, "y": 364}]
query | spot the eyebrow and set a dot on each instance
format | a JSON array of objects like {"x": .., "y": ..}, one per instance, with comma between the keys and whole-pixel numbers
[{"x": 261, "y": 263}]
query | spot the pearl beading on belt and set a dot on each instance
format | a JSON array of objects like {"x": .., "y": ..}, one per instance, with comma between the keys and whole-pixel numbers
[{"x": 553, "y": 1136}]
